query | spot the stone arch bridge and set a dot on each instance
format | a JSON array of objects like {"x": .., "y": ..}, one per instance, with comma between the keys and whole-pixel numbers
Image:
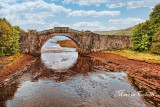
[{"x": 32, "y": 41}]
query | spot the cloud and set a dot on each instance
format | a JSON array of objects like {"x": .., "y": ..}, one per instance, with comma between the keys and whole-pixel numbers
[
  {"x": 116, "y": 5},
  {"x": 142, "y": 4},
  {"x": 130, "y": 4},
  {"x": 92, "y": 26},
  {"x": 126, "y": 21},
  {"x": 134, "y": 4},
  {"x": 85, "y": 2},
  {"x": 57, "y": 24},
  {"x": 30, "y": 12},
  {"x": 82, "y": 13}
]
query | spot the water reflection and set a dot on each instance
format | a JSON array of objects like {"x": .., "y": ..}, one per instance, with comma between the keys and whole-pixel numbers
[
  {"x": 62, "y": 58},
  {"x": 64, "y": 79}
]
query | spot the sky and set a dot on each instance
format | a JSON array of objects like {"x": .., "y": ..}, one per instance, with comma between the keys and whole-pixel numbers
[{"x": 93, "y": 15}]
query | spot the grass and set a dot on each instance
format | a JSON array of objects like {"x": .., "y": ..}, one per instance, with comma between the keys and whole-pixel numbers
[
  {"x": 7, "y": 61},
  {"x": 146, "y": 57}
]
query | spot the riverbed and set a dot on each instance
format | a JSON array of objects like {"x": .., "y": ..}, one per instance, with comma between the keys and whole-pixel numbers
[{"x": 62, "y": 78}]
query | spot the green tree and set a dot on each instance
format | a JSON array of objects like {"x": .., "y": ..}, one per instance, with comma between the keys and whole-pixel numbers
[
  {"x": 141, "y": 37},
  {"x": 9, "y": 38},
  {"x": 145, "y": 43},
  {"x": 14, "y": 48},
  {"x": 5, "y": 37},
  {"x": 17, "y": 28},
  {"x": 156, "y": 43},
  {"x": 143, "y": 33},
  {"x": 155, "y": 19}
]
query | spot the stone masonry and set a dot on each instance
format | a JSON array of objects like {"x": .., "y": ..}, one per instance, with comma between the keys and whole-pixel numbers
[{"x": 32, "y": 41}]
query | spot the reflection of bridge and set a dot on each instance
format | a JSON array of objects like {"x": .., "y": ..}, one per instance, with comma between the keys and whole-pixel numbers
[{"x": 32, "y": 41}]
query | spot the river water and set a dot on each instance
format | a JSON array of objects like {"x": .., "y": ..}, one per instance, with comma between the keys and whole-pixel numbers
[{"x": 62, "y": 78}]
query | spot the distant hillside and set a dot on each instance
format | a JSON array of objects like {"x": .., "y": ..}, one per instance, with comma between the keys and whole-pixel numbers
[
  {"x": 111, "y": 32},
  {"x": 116, "y": 32},
  {"x": 125, "y": 31}
]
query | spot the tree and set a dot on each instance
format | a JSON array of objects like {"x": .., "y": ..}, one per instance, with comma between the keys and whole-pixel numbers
[
  {"x": 156, "y": 43},
  {"x": 145, "y": 43},
  {"x": 155, "y": 18},
  {"x": 14, "y": 48},
  {"x": 17, "y": 28},
  {"x": 141, "y": 37},
  {"x": 5, "y": 37},
  {"x": 143, "y": 33},
  {"x": 9, "y": 38}
]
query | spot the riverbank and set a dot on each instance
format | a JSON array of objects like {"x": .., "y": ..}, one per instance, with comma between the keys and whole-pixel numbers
[
  {"x": 125, "y": 59},
  {"x": 132, "y": 55},
  {"x": 16, "y": 67},
  {"x": 7, "y": 61}
]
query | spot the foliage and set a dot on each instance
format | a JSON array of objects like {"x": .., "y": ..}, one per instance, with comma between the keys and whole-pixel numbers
[
  {"x": 17, "y": 28},
  {"x": 141, "y": 37},
  {"x": 145, "y": 43},
  {"x": 143, "y": 33},
  {"x": 156, "y": 43},
  {"x": 9, "y": 38},
  {"x": 14, "y": 47},
  {"x": 155, "y": 18}
]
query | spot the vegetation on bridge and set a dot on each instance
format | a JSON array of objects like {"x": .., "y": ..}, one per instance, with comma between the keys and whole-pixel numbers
[{"x": 9, "y": 38}]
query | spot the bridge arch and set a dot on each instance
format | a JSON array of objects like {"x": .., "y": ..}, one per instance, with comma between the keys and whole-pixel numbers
[{"x": 54, "y": 35}]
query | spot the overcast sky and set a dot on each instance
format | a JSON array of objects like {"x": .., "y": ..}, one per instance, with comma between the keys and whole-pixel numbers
[{"x": 94, "y": 15}]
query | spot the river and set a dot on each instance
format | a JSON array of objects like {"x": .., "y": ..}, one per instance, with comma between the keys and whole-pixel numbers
[{"x": 62, "y": 78}]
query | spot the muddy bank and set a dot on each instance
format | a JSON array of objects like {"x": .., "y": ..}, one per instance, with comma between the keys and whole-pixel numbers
[{"x": 16, "y": 69}]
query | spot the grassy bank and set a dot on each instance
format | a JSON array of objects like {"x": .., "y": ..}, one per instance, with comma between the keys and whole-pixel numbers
[
  {"x": 146, "y": 57},
  {"x": 7, "y": 61}
]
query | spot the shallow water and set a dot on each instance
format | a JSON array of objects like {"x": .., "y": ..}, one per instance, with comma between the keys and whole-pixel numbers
[{"x": 65, "y": 79}]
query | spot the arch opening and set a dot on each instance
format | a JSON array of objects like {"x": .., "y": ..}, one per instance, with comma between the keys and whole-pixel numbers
[
  {"x": 56, "y": 57},
  {"x": 71, "y": 43}
]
